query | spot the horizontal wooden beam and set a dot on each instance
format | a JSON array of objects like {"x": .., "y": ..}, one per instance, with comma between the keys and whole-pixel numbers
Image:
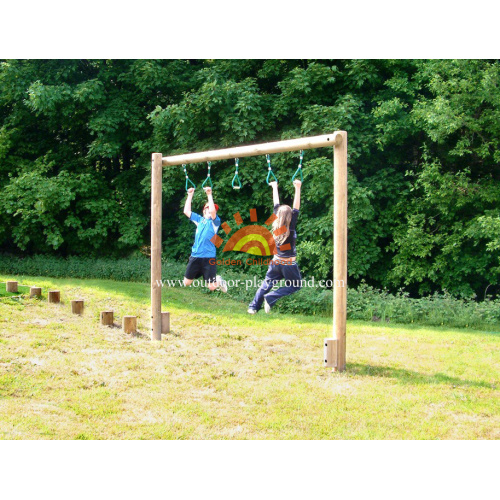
[{"x": 318, "y": 141}]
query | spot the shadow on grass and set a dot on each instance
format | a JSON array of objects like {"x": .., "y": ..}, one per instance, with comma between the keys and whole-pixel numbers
[
  {"x": 140, "y": 335},
  {"x": 411, "y": 377},
  {"x": 485, "y": 329}
]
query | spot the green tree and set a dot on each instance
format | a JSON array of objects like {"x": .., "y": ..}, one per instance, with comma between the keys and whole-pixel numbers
[{"x": 76, "y": 138}]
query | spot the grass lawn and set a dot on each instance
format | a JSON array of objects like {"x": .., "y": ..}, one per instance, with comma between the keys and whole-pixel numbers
[{"x": 222, "y": 374}]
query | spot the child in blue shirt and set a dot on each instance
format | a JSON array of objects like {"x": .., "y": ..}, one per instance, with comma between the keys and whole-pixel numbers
[{"x": 202, "y": 259}]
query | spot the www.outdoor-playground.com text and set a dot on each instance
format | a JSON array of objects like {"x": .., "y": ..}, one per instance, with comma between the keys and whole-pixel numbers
[{"x": 255, "y": 283}]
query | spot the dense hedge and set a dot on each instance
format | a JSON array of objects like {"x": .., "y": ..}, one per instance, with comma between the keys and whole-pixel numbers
[
  {"x": 363, "y": 303},
  {"x": 76, "y": 138}
]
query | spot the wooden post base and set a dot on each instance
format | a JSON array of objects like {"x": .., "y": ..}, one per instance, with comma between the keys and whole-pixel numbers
[
  {"x": 54, "y": 296},
  {"x": 11, "y": 286},
  {"x": 130, "y": 324},
  {"x": 107, "y": 318},
  {"x": 77, "y": 306},
  {"x": 35, "y": 291}
]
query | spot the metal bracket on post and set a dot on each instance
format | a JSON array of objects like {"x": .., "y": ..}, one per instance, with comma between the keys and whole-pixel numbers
[{"x": 330, "y": 353}]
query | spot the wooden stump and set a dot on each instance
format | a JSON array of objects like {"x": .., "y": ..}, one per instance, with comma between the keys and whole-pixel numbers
[
  {"x": 130, "y": 324},
  {"x": 35, "y": 291},
  {"x": 11, "y": 286},
  {"x": 165, "y": 322},
  {"x": 107, "y": 318},
  {"x": 77, "y": 306},
  {"x": 54, "y": 296}
]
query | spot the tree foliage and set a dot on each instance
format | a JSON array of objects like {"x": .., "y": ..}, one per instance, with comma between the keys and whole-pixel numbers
[{"x": 424, "y": 190}]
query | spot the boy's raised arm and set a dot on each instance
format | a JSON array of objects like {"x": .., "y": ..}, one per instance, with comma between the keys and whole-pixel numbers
[
  {"x": 211, "y": 206},
  {"x": 187, "y": 205}
]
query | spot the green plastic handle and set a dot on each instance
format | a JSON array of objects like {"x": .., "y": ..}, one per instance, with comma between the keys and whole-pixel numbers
[
  {"x": 268, "y": 158},
  {"x": 299, "y": 169},
  {"x": 208, "y": 179}
]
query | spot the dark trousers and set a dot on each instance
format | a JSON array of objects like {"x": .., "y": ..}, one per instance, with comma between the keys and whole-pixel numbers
[{"x": 275, "y": 273}]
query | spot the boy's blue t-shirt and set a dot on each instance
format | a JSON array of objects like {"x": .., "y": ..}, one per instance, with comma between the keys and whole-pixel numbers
[{"x": 205, "y": 231}]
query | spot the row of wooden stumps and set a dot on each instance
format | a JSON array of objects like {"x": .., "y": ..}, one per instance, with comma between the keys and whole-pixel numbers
[
  {"x": 129, "y": 323},
  {"x": 35, "y": 291},
  {"x": 11, "y": 287}
]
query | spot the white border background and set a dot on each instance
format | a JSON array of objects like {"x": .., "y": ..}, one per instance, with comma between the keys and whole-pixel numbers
[{"x": 237, "y": 470}]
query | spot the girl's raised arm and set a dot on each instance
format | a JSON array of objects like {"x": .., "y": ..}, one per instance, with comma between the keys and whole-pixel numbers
[
  {"x": 276, "y": 196},
  {"x": 296, "y": 200}
]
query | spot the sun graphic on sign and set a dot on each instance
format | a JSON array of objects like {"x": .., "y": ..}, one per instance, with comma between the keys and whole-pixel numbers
[{"x": 254, "y": 239}]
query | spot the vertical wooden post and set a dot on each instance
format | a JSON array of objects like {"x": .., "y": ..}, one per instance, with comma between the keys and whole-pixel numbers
[
  {"x": 156, "y": 205},
  {"x": 340, "y": 248},
  {"x": 11, "y": 286},
  {"x": 35, "y": 291}
]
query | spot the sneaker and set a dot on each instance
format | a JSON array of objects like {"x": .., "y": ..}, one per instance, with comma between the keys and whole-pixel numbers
[
  {"x": 222, "y": 283},
  {"x": 251, "y": 311},
  {"x": 267, "y": 307}
]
